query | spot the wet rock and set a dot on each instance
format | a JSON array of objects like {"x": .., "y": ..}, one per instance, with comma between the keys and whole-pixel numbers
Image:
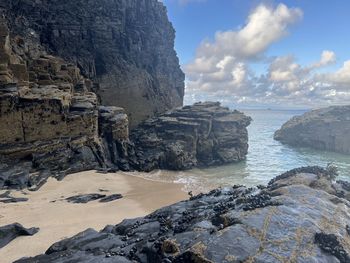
[
  {"x": 293, "y": 219},
  {"x": 86, "y": 198},
  {"x": 10, "y": 232},
  {"x": 324, "y": 129},
  {"x": 330, "y": 244},
  {"x": 83, "y": 199},
  {"x": 111, "y": 198}
]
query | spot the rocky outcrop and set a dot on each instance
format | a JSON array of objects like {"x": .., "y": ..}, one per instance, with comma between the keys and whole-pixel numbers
[
  {"x": 126, "y": 47},
  {"x": 301, "y": 216},
  {"x": 204, "y": 134},
  {"x": 323, "y": 129},
  {"x": 10, "y": 232}
]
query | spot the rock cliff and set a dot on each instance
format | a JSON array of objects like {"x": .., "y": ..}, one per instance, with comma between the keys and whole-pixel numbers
[
  {"x": 125, "y": 47},
  {"x": 204, "y": 134},
  {"x": 323, "y": 129},
  {"x": 301, "y": 216},
  {"x": 56, "y": 121},
  {"x": 48, "y": 116}
]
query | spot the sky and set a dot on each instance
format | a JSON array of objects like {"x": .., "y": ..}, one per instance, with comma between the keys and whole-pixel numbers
[{"x": 275, "y": 54}]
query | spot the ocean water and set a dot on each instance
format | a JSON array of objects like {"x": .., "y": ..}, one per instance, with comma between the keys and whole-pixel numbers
[{"x": 266, "y": 158}]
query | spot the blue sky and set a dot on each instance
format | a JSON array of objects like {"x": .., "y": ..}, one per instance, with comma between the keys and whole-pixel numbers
[{"x": 308, "y": 28}]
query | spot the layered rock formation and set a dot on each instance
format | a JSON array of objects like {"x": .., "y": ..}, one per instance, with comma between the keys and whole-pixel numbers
[
  {"x": 126, "y": 47},
  {"x": 301, "y": 216},
  {"x": 204, "y": 134},
  {"x": 323, "y": 129},
  {"x": 54, "y": 117},
  {"x": 49, "y": 117}
]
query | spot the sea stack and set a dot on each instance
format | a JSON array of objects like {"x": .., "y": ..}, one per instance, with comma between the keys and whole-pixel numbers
[
  {"x": 324, "y": 129},
  {"x": 202, "y": 135}
]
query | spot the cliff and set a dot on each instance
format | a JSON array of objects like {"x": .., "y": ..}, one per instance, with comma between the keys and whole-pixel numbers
[
  {"x": 323, "y": 129},
  {"x": 125, "y": 47},
  {"x": 58, "y": 58},
  {"x": 301, "y": 216}
]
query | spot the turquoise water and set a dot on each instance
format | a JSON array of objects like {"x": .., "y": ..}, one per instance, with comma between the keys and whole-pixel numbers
[{"x": 266, "y": 158}]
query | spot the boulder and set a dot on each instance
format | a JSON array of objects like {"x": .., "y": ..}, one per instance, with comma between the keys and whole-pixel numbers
[
  {"x": 324, "y": 129},
  {"x": 300, "y": 216}
]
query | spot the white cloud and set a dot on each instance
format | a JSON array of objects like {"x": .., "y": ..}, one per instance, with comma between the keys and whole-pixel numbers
[
  {"x": 222, "y": 70},
  {"x": 342, "y": 76},
  {"x": 327, "y": 58}
]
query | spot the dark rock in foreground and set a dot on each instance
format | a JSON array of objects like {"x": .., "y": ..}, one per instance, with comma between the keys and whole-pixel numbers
[
  {"x": 323, "y": 129},
  {"x": 204, "y": 134},
  {"x": 10, "y": 232},
  {"x": 301, "y": 216}
]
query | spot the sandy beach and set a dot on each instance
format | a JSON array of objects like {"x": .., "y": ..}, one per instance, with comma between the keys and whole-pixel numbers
[{"x": 60, "y": 219}]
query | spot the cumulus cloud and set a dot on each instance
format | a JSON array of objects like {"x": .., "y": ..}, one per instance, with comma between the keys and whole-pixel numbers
[
  {"x": 221, "y": 69},
  {"x": 340, "y": 77},
  {"x": 223, "y": 62}
]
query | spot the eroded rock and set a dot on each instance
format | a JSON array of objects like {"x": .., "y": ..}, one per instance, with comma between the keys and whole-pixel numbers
[
  {"x": 298, "y": 217},
  {"x": 204, "y": 134}
]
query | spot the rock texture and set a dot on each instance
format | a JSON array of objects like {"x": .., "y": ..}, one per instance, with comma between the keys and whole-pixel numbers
[
  {"x": 83, "y": 199},
  {"x": 204, "y": 134},
  {"x": 324, "y": 129},
  {"x": 126, "y": 47},
  {"x": 301, "y": 216},
  {"x": 10, "y": 232},
  {"x": 49, "y": 118}
]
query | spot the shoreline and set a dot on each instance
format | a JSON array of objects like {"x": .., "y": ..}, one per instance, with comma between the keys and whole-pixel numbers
[{"x": 59, "y": 219}]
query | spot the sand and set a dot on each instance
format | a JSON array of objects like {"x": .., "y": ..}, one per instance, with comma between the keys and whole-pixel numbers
[{"x": 60, "y": 219}]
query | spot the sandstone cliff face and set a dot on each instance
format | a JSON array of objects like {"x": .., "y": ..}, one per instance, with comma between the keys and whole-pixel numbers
[
  {"x": 301, "y": 216},
  {"x": 204, "y": 134},
  {"x": 324, "y": 129},
  {"x": 47, "y": 115},
  {"x": 126, "y": 47}
]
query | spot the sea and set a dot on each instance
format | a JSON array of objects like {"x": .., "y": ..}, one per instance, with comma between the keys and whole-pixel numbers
[{"x": 266, "y": 158}]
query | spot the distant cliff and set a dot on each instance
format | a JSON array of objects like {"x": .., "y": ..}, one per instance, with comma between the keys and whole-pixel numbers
[
  {"x": 125, "y": 47},
  {"x": 323, "y": 129}
]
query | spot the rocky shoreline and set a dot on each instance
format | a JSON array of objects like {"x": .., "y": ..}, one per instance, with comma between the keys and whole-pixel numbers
[
  {"x": 323, "y": 129},
  {"x": 300, "y": 216}
]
